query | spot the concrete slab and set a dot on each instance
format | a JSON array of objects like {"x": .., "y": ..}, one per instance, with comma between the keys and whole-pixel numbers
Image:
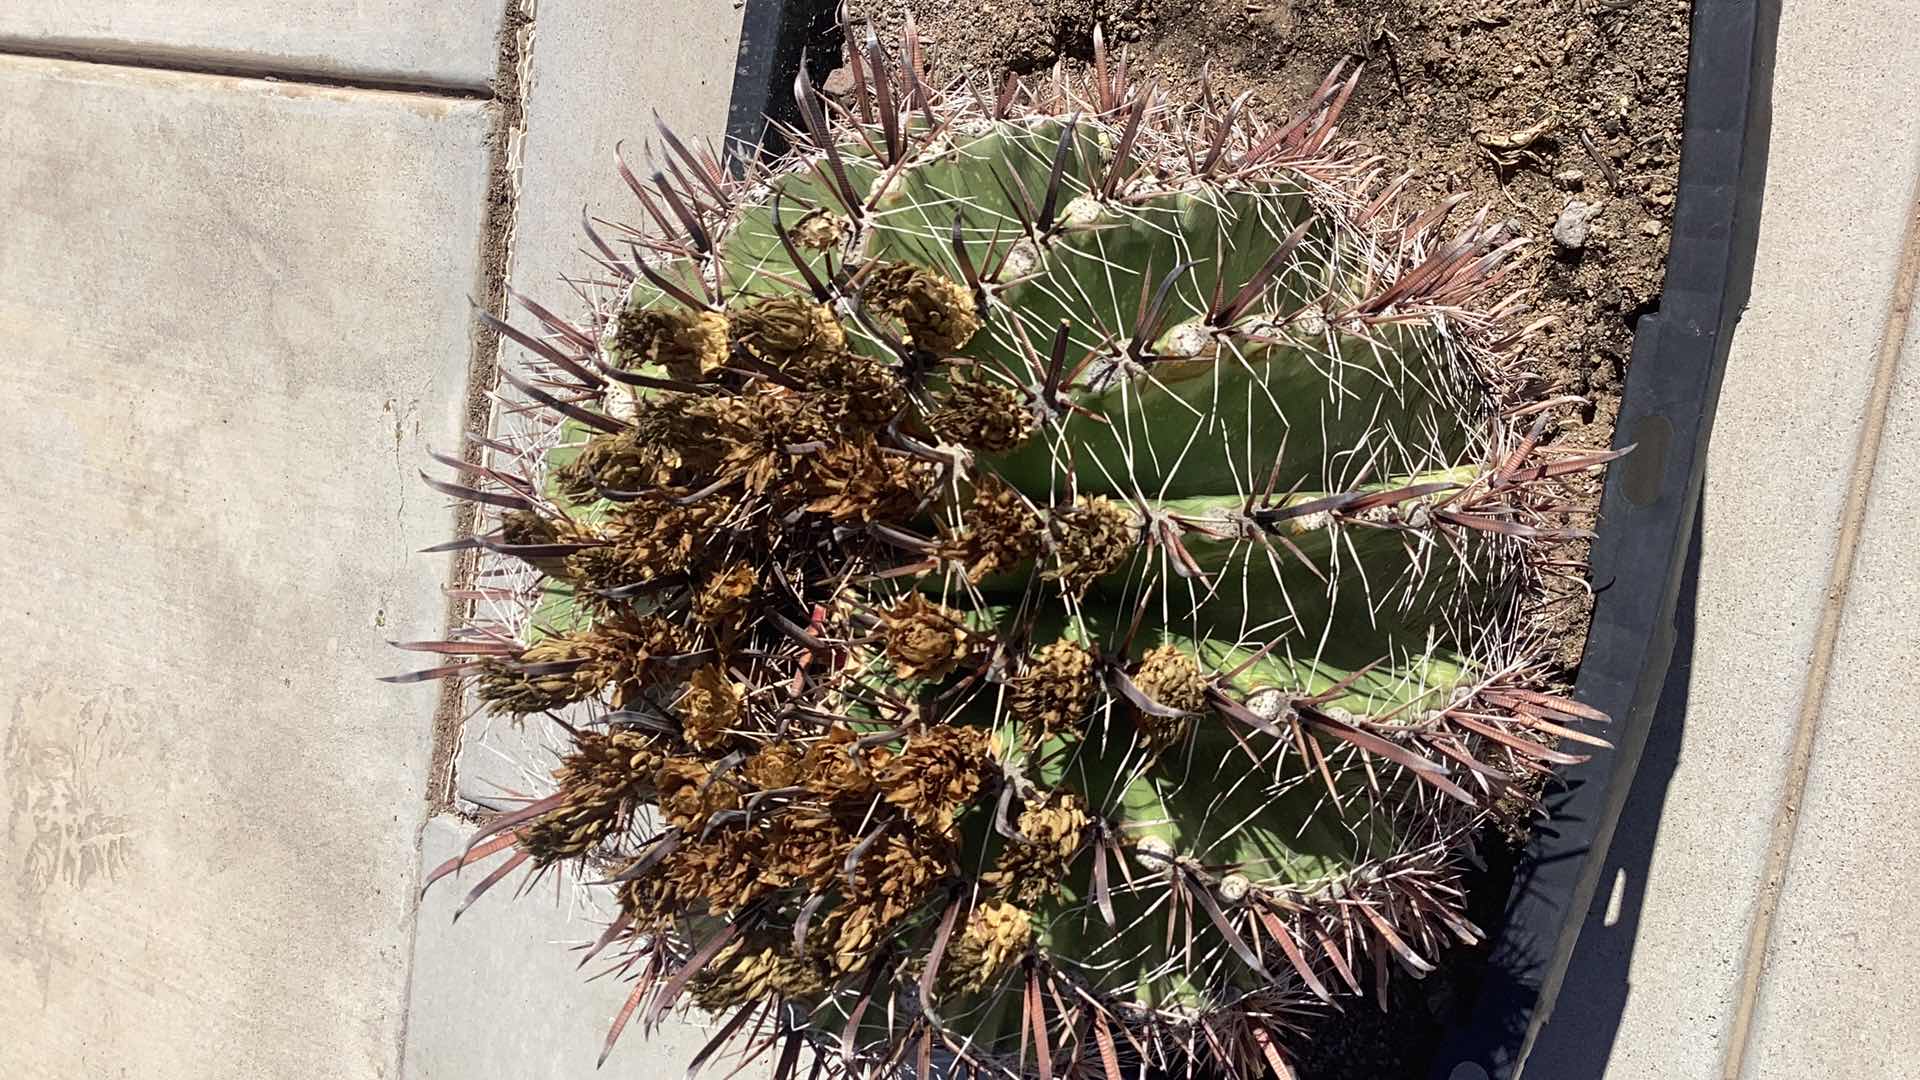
[
  {"x": 1844, "y": 155},
  {"x": 235, "y": 319},
  {"x": 1837, "y": 994},
  {"x": 597, "y": 76},
  {"x": 500, "y": 993},
  {"x": 427, "y": 42}
]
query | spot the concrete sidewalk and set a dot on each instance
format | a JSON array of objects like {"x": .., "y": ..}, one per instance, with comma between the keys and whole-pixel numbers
[
  {"x": 236, "y": 260},
  {"x": 237, "y": 256}
]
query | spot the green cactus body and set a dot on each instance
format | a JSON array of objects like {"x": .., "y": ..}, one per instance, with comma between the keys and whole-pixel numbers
[{"x": 1060, "y": 572}]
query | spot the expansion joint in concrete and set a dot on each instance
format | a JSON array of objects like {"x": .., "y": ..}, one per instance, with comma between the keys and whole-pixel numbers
[{"x": 235, "y": 66}]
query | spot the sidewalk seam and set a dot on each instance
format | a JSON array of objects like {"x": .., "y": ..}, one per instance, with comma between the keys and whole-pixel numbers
[
  {"x": 511, "y": 83},
  {"x": 201, "y": 62},
  {"x": 1813, "y": 694}
]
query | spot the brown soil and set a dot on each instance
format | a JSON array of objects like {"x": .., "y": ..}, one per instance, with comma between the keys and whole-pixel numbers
[{"x": 1445, "y": 83}]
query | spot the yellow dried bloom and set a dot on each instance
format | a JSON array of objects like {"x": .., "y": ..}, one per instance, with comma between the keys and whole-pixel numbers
[
  {"x": 650, "y": 538},
  {"x": 595, "y": 661},
  {"x": 996, "y": 935},
  {"x": 1056, "y": 692},
  {"x": 855, "y": 388},
  {"x": 805, "y": 849},
  {"x": 600, "y": 779},
  {"x": 524, "y": 528},
  {"x": 1054, "y": 827},
  {"x": 687, "y": 344},
  {"x": 722, "y": 871},
  {"x": 725, "y": 593},
  {"x": 774, "y": 765},
  {"x": 1171, "y": 677},
  {"x": 999, "y": 531},
  {"x": 754, "y": 968},
  {"x": 935, "y": 312},
  {"x": 893, "y": 879},
  {"x": 623, "y": 462},
  {"x": 853, "y": 479},
  {"x": 820, "y": 229},
  {"x": 788, "y": 328},
  {"x": 688, "y": 792},
  {"x": 834, "y": 769}
]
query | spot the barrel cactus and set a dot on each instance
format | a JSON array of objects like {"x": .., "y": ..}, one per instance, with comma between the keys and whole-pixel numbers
[{"x": 1033, "y": 580}]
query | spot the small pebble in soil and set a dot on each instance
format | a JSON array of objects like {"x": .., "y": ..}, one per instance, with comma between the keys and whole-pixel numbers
[
  {"x": 1652, "y": 228},
  {"x": 1572, "y": 179},
  {"x": 1575, "y": 223},
  {"x": 839, "y": 83}
]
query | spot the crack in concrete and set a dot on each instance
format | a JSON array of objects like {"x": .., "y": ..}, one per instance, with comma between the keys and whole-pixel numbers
[{"x": 1786, "y": 823}]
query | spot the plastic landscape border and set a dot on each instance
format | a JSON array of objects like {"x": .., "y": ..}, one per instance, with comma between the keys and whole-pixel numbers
[
  {"x": 775, "y": 36},
  {"x": 1647, "y": 509}
]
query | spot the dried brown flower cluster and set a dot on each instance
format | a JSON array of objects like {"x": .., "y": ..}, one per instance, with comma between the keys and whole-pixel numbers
[{"x": 786, "y": 775}]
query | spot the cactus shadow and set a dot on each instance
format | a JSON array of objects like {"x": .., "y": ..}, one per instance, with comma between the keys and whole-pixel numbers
[{"x": 1586, "y": 1018}]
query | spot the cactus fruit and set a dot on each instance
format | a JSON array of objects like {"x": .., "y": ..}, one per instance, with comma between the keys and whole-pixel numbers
[{"x": 1047, "y": 579}]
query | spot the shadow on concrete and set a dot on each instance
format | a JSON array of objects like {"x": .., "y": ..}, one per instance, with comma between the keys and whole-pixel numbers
[{"x": 1579, "y": 1041}]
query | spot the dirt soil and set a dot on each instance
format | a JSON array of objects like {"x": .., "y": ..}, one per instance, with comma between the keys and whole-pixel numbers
[{"x": 1529, "y": 106}]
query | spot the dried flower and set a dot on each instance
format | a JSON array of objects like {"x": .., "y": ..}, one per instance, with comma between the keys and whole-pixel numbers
[
  {"x": 725, "y": 593},
  {"x": 688, "y": 792},
  {"x": 709, "y": 707},
  {"x": 925, "y": 640},
  {"x": 553, "y": 672},
  {"x": 622, "y": 462},
  {"x": 936, "y": 312},
  {"x": 805, "y": 849},
  {"x": 775, "y": 765},
  {"x": 721, "y": 870},
  {"x": 599, "y": 781},
  {"x": 893, "y": 879},
  {"x": 999, "y": 531},
  {"x": 938, "y": 774},
  {"x": 1056, "y": 691},
  {"x": 1171, "y": 677},
  {"x": 854, "y": 388},
  {"x": 1031, "y": 871},
  {"x": 687, "y": 344},
  {"x": 834, "y": 768},
  {"x": 983, "y": 416},
  {"x": 820, "y": 229},
  {"x": 996, "y": 935},
  {"x": 755, "y": 967},
  {"x": 853, "y": 479},
  {"x": 1090, "y": 541},
  {"x": 787, "y": 329}
]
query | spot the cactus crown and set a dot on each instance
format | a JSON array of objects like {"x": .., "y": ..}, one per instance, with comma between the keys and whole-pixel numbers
[{"x": 1052, "y": 569}]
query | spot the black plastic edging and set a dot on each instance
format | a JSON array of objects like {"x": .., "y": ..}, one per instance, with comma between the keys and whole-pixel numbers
[
  {"x": 774, "y": 35},
  {"x": 1646, "y": 522}
]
